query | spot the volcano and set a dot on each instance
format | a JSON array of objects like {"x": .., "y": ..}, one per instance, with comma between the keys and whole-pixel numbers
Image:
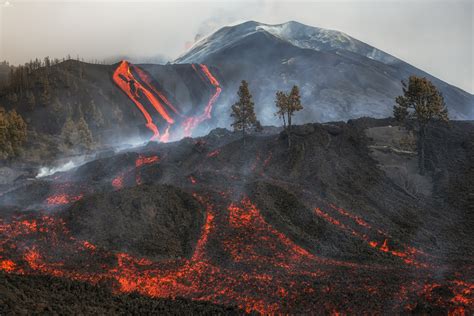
[
  {"x": 159, "y": 209},
  {"x": 341, "y": 77}
]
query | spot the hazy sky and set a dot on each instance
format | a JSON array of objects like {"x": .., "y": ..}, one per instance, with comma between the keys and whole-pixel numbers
[{"x": 434, "y": 35}]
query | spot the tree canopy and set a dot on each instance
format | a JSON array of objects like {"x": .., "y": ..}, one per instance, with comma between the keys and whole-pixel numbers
[
  {"x": 243, "y": 111},
  {"x": 420, "y": 104},
  {"x": 13, "y": 133},
  {"x": 287, "y": 105},
  {"x": 420, "y": 101}
]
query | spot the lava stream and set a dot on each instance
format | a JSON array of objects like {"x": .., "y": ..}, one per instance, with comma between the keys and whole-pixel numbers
[
  {"x": 147, "y": 80},
  {"x": 141, "y": 86},
  {"x": 256, "y": 266},
  {"x": 124, "y": 78},
  {"x": 409, "y": 255},
  {"x": 191, "y": 123}
]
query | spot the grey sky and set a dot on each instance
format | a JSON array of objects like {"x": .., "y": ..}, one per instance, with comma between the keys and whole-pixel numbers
[{"x": 436, "y": 36}]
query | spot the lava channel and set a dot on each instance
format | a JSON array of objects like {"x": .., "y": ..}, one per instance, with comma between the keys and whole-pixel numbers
[{"x": 140, "y": 88}]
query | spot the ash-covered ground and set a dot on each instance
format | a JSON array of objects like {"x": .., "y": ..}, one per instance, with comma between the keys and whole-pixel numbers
[{"x": 342, "y": 223}]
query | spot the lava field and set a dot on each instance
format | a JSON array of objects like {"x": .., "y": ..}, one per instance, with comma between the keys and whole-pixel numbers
[{"x": 251, "y": 225}]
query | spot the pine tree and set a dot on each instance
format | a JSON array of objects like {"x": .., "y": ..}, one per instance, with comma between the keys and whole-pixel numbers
[
  {"x": 30, "y": 99},
  {"x": 47, "y": 62},
  {"x": 17, "y": 131},
  {"x": 281, "y": 103},
  {"x": 421, "y": 104},
  {"x": 243, "y": 111},
  {"x": 45, "y": 97},
  {"x": 294, "y": 104},
  {"x": 95, "y": 115},
  {"x": 5, "y": 146},
  {"x": 84, "y": 134},
  {"x": 287, "y": 105},
  {"x": 13, "y": 133},
  {"x": 69, "y": 133},
  {"x": 258, "y": 126}
]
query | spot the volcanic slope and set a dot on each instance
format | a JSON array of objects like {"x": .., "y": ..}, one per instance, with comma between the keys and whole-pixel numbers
[
  {"x": 118, "y": 102},
  {"x": 26, "y": 295},
  {"x": 340, "y": 77},
  {"x": 318, "y": 229}
]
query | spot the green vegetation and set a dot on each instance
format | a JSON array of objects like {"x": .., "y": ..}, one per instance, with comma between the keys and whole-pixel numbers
[
  {"x": 243, "y": 111},
  {"x": 12, "y": 134},
  {"x": 76, "y": 135},
  {"x": 287, "y": 105},
  {"x": 420, "y": 105}
]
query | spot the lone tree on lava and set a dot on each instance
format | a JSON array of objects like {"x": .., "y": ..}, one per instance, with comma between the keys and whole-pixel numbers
[
  {"x": 420, "y": 105},
  {"x": 243, "y": 110},
  {"x": 287, "y": 105}
]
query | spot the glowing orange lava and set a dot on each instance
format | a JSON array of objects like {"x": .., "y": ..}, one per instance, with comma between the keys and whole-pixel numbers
[
  {"x": 257, "y": 267},
  {"x": 143, "y": 160},
  {"x": 117, "y": 182},
  {"x": 191, "y": 123},
  {"x": 214, "y": 153},
  {"x": 124, "y": 78},
  {"x": 409, "y": 255},
  {"x": 7, "y": 265},
  {"x": 62, "y": 199},
  {"x": 141, "y": 90}
]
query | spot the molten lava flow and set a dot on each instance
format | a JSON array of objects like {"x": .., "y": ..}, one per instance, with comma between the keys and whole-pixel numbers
[
  {"x": 198, "y": 277},
  {"x": 408, "y": 255},
  {"x": 117, "y": 182},
  {"x": 124, "y": 78},
  {"x": 62, "y": 199},
  {"x": 214, "y": 153},
  {"x": 7, "y": 265},
  {"x": 192, "y": 122},
  {"x": 166, "y": 135},
  {"x": 147, "y": 80},
  {"x": 239, "y": 259},
  {"x": 144, "y": 160},
  {"x": 246, "y": 220},
  {"x": 357, "y": 219},
  {"x": 141, "y": 88}
]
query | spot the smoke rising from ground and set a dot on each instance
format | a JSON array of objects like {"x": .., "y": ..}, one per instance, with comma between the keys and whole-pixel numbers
[{"x": 47, "y": 171}]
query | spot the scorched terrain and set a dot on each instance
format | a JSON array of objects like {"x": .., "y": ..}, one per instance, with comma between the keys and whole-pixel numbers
[{"x": 333, "y": 226}]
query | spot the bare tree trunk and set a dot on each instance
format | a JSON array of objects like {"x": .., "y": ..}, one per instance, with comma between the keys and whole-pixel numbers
[
  {"x": 289, "y": 130},
  {"x": 421, "y": 149}
]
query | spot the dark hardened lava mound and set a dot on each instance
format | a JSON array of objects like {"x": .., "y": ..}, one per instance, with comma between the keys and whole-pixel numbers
[
  {"x": 40, "y": 295},
  {"x": 372, "y": 247},
  {"x": 290, "y": 215},
  {"x": 152, "y": 221},
  {"x": 98, "y": 170},
  {"x": 27, "y": 193}
]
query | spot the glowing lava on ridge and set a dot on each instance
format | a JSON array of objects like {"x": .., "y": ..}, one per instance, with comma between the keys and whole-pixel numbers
[
  {"x": 263, "y": 271},
  {"x": 138, "y": 86}
]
